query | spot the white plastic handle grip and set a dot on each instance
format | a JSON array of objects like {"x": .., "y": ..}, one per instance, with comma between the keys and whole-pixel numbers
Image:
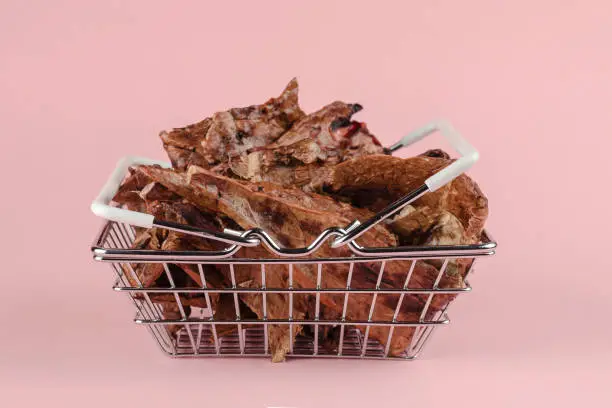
[
  {"x": 100, "y": 206},
  {"x": 469, "y": 155}
]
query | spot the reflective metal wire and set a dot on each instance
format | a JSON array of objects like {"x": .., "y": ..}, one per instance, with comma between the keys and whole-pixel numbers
[{"x": 198, "y": 335}]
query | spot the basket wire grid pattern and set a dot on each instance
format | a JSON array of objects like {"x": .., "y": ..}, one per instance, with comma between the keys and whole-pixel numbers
[{"x": 198, "y": 337}]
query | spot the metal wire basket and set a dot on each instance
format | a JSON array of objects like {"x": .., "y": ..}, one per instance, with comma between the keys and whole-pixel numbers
[{"x": 200, "y": 334}]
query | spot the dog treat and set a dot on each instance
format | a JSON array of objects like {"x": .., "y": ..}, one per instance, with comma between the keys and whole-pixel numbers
[
  {"x": 267, "y": 142},
  {"x": 295, "y": 218},
  {"x": 271, "y": 166},
  {"x": 233, "y": 132},
  {"x": 171, "y": 311},
  {"x": 326, "y": 136},
  {"x": 375, "y": 181}
]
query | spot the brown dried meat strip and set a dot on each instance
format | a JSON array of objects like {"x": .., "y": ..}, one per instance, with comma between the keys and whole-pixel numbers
[
  {"x": 423, "y": 226},
  {"x": 153, "y": 274},
  {"x": 233, "y": 132},
  {"x": 171, "y": 311},
  {"x": 138, "y": 188},
  {"x": 181, "y": 280},
  {"x": 277, "y": 305},
  {"x": 146, "y": 273},
  {"x": 129, "y": 191},
  {"x": 250, "y": 205},
  {"x": 359, "y": 301},
  {"x": 183, "y": 158},
  {"x": 225, "y": 310},
  {"x": 294, "y": 218},
  {"x": 161, "y": 239},
  {"x": 387, "y": 178},
  {"x": 325, "y": 136},
  {"x": 185, "y": 213},
  {"x": 317, "y": 136}
]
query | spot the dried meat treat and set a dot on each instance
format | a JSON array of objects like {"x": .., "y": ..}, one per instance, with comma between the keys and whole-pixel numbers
[
  {"x": 325, "y": 136},
  {"x": 423, "y": 226},
  {"x": 254, "y": 205},
  {"x": 375, "y": 181},
  {"x": 183, "y": 158},
  {"x": 175, "y": 210},
  {"x": 180, "y": 280},
  {"x": 171, "y": 311},
  {"x": 453, "y": 215},
  {"x": 156, "y": 192},
  {"x": 187, "y": 214},
  {"x": 295, "y": 218},
  {"x": 263, "y": 167},
  {"x": 153, "y": 274},
  {"x": 318, "y": 136},
  {"x": 128, "y": 194},
  {"x": 297, "y": 201},
  {"x": 233, "y": 132},
  {"x": 138, "y": 188},
  {"x": 225, "y": 310},
  {"x": 144, "y": 273},
  {"x": 270, "y": 142},
  {"x": 277, "y": 305},
  {"x": 277, "y": 275},
  {"x": 160, "y": 239},
  {"x": 129, "y": 191}
]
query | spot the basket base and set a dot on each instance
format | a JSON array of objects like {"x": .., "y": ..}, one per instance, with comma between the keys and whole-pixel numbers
[{"x": 250, "y": 343}]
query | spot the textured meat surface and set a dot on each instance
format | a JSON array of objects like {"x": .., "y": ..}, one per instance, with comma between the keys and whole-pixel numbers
[
  {"x": 277, "y": 304},
  {"x": 171, "y": 311},
  {"x": 225, "y": 310},
  {"x": 182, "y": 158},
  {"x": 176, "y": 210},
  {"x": 129, "y": 191},
  {"x": 318, "y": 135},
  {"x": 424, "y": 226},
  {"x": 387, "y": 178},
  {"x": 231, "y": 133},
  {"x": 292, "y": 212},
  {"x": 152, "y": 274},
  {"x": 145, "y": 274},
  {"x": 323, "y": 137},
  {"x": 295, "y": 218},
  {"x": 272, "y": 141}
]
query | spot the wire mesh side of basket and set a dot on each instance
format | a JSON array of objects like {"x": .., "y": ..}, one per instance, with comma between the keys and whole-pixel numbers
[{"x": 198, "y": 334}]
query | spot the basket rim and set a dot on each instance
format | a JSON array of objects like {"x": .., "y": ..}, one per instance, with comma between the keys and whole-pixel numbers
[{"x": 359, "y": 254}]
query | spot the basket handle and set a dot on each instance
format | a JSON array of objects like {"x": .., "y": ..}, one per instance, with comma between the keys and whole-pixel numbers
[
  {"x": 469, "y": 156},
  {"x": 102, "y": 208},
  {"x": 101, "y": 205}
]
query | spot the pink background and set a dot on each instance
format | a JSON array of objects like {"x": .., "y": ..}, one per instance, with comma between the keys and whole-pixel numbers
[{"x": 528, "y": 82}]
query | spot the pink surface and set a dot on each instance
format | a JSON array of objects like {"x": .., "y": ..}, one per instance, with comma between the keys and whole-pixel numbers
[{"x": 82, "y": 84}]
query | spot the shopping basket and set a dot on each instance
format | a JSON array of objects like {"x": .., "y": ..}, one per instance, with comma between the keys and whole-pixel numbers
[{"x": 197, "y": 333}]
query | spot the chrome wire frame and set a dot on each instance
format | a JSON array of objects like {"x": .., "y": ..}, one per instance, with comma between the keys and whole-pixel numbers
[{"x": 198, "y": 336}]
